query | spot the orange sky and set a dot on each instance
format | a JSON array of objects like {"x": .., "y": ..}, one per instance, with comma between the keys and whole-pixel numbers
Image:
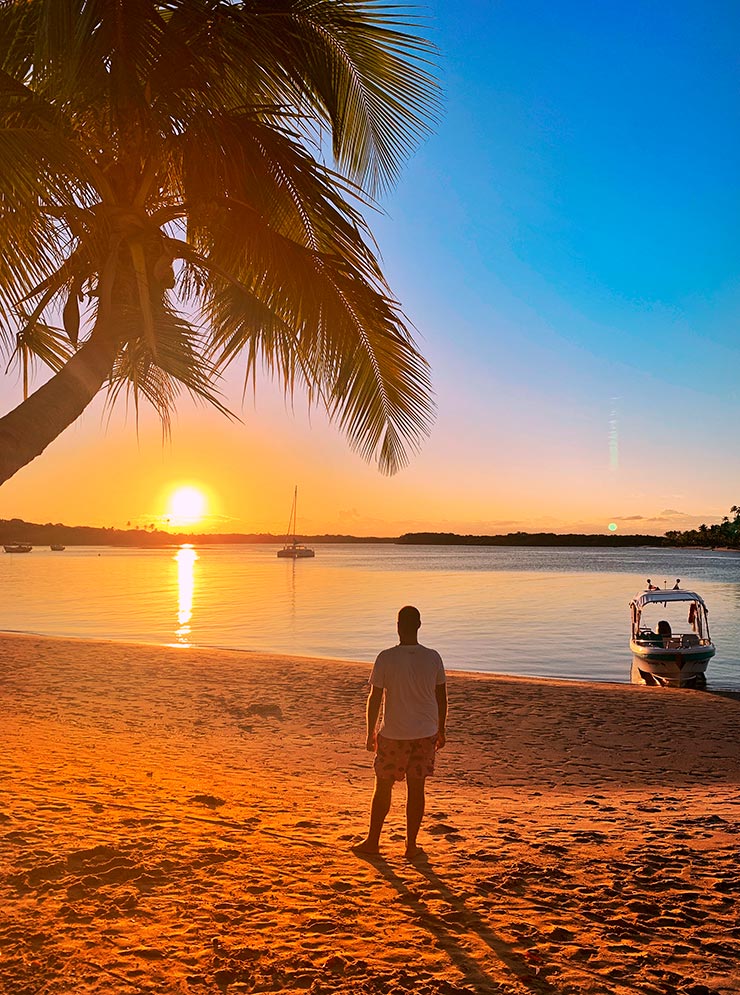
[{"x": 473, "y": 475}]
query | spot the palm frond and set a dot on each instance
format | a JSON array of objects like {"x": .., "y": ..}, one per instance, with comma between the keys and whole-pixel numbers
[
  {"x": 40, "y": 169},
  {"x": 135, "y": 131},
  {"x": 357, "y": 67},
  {"x": 30, "y": 254},
  {"x": 313, "y": 319},
  {"x": 243, "y": 161},
  {"x": 17, "y": 37},
  {"x": 39, "y": 342},
  {"x": 284, "y": 275},
  {"x": 159, "y": 379}
]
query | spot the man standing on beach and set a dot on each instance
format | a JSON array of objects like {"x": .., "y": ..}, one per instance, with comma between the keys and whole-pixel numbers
[{"x": 409, "y": 680}]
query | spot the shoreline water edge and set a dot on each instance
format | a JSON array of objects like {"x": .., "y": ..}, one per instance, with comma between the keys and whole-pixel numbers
[
  {"x": 539, "y": 613},
  {"x": 180, "y": 820}
]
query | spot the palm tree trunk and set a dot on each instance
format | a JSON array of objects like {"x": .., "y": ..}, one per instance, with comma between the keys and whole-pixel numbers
[{"x": 27, "y": 430}]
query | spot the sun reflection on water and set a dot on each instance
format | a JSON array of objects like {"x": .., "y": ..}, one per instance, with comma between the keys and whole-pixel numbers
[{"x": 185, "y": 559}]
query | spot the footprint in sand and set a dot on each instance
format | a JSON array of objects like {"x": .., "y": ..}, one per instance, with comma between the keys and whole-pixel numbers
[
  {"x": 266, "y": 711},
  {"x": 258, "y": 889},
  {"x": 210, "y": 801},
  {"x": 441, "y": 829}
]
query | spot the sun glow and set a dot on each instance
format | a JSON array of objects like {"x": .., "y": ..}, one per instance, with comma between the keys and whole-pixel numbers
[{"x": 186, "y": 506}]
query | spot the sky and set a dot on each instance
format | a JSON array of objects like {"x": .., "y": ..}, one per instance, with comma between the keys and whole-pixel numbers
[{"x": 566, "y": 246}]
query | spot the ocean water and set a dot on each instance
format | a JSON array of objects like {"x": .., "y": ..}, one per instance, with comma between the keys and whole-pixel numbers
[{"x": 535, "y": 612}]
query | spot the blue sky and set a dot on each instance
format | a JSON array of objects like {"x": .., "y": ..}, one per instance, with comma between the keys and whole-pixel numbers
[
  {"x": 566, "y": 244},
  {"x": 585, "y": 204},
  {"x": 587, "y": 163}
]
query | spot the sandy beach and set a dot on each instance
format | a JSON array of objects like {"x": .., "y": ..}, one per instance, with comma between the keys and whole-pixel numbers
[{"x": 179, "y": 821}]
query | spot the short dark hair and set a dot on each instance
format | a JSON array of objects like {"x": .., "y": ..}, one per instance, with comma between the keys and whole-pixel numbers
[{"x": 409, "y": 617}]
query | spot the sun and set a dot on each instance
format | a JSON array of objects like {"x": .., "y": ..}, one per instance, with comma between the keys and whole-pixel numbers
[{"x": 186, "y": 506}]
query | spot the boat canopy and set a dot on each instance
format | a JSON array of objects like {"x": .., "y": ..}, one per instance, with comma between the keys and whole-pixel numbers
[
  {"x": 698, "y": 611},
  {"x": 663, "y": 597}
]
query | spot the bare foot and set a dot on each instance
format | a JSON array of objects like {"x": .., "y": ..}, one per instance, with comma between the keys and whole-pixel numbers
[
  {"x": 414, "y": 852},
  {"x": 367, "y": 847}
]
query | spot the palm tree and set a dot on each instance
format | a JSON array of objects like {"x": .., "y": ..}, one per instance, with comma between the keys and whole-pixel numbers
[{"x": 165, "y": 208}]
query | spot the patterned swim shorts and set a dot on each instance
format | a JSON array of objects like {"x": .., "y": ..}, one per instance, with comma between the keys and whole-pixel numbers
[{"x": 401, "y": 758}]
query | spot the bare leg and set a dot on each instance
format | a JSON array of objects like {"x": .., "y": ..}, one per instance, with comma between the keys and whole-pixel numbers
[
  {"x": 378, "y": 811},
  {"x": 414, "y": 812}
]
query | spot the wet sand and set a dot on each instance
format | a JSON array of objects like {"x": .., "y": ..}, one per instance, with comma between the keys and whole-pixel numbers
[{"x": 179, "y": 821}]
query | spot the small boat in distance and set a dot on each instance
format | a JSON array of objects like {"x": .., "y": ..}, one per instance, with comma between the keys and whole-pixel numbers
[
  {"x": 294, "y": 550},
  {"x": 57, "y": 547},
  {"x": 663, "y": 654},
  {"x": 17, "y": 547}
]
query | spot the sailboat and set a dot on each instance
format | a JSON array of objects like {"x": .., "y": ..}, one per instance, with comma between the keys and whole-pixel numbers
[{"x": 294, "y": 550}]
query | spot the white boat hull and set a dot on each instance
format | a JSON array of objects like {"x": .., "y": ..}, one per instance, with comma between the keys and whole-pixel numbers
[{"x": 674, "y": 666}]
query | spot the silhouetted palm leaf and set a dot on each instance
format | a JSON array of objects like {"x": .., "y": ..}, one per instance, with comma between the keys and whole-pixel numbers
[{"x": 138, "y": 134}]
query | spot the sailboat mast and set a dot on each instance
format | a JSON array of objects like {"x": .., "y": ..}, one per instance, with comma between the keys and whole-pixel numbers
[
  {"x": 290, "y": 534},
  {"x": 292, "y": 548}
]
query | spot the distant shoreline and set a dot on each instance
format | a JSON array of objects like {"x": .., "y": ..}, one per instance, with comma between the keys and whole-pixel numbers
[
  {"x": 15, "y": 530},
  {"x": 18, "y": 531}
]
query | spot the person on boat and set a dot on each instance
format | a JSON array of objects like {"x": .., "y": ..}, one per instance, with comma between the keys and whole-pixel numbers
[
  {"x": 664, "y": 629},
  {"x": 694, "y": 616},
  {"x": 675, "y": 586},
  {"x": 409, "y": 681},
  {"x": 651, "y": 586}
]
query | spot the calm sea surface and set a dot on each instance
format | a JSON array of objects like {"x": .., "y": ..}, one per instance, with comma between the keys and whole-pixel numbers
[{"x": 535, "y": 612}]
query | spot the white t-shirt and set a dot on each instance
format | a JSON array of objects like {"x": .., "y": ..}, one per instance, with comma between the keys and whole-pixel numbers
[{"x": 410, "y": 676}]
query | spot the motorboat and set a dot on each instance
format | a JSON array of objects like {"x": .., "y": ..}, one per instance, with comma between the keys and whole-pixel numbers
[
  {"x": 670, "y": 652},
  {"x": 56, "y": 547},
  {"x": 294, "y": 550},
  {"x": 17, "y": 547}
]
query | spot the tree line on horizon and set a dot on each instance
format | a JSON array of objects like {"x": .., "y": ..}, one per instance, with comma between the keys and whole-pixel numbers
[
  {"x": 725, "y": 533},
  {"x": 530, "y": 539},
  {"x": 16, "y": 530}
]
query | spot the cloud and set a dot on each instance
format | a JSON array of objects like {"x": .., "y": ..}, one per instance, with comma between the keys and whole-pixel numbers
[{"x": 667, "y": 515}]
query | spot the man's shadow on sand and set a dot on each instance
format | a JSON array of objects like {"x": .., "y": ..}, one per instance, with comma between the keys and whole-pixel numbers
[{"x": 447, "y": 929}]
